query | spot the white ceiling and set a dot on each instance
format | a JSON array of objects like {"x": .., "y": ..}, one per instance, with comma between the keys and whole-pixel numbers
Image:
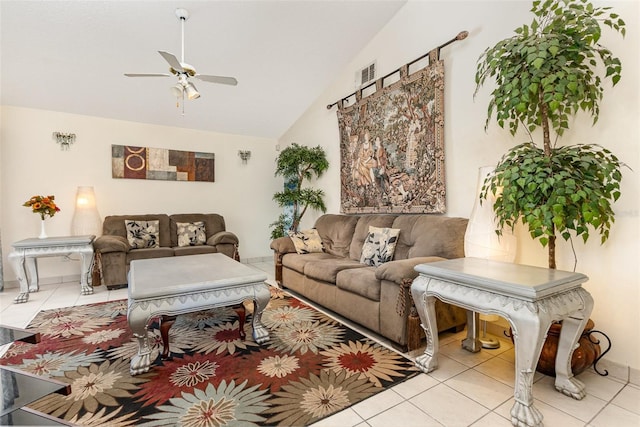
[{"x": 70, "y": 56}]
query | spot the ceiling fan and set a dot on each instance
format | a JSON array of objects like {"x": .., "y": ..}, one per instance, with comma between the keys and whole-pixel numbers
[{"x": 183, "y": 70}]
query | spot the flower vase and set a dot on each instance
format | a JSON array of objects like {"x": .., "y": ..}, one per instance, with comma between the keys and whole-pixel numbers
[{"x": 43, "y": 231}]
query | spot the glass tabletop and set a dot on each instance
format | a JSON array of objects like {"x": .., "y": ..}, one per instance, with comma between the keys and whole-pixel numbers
[
  {"x": 10, "y": 334},
  {"x": 21, "y": 388}
]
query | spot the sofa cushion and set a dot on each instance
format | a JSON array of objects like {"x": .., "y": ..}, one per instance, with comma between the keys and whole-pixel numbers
[
  {"x": 379, "y": 246},
  {"x": 362, "y": 231},
  {"x": 326, "y": 270},
  {"x": 113, "y": 225},
  {"x": 194, "y": 250},
  {"x": 336, "y": 232},
  {"x": 213, "y": 224},
  {"x": 296, "y": 262},
  {"x": 149, "y": 253},
  {"x": 430, "y": 235},
  {"x": 143, "y": 234},
  {"x": 191, "y": 233},
  {"x": 360, "y": 281},
  {"x": 306, "y": 241}
]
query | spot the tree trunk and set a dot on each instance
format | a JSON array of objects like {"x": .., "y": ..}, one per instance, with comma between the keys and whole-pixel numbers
[{"x": 546, "y": 138}]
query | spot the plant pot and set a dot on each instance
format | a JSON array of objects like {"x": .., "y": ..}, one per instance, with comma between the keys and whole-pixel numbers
[{"x": 583, "y": 356}]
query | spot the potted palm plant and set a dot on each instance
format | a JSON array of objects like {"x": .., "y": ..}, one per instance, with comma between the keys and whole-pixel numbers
[
  {"x": 548, "y": 71},
  {"x": 297, "y": 164},
  {"x": 545, "y": 74}
]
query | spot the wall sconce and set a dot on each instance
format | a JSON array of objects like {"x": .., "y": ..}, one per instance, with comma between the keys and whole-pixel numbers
[
  {"x": 86, "y": 219},
  {"x": 244, "y": 155},
  {"x": 64, "y": 139}
]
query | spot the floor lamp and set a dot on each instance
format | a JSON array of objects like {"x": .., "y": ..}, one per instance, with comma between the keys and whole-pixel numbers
[
  {"x": 481, "y": 241},
  {"x": 86, "y": 219}
]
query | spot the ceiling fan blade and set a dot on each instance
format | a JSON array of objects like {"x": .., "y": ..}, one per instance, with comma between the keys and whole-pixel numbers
[
  {"x": 172, "y": 60},
  {"x": 217, "y": 79},
  {"x": 146, "y": 75}
]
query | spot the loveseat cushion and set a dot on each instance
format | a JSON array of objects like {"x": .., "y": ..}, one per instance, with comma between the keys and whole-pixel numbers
[
  {"x": 336, "y": 232},
  {"x": 362, "y": 231},
  {"x": 213, "y": 223},
  {"x": 326, "y": 270},
  {"x": 113, "y": 225},
  {"x": 194, "y": 250},
  {"x": 360, "y": 281},
  {"x": 191, "y": 233},
  {"x": 149, "y": 253},
  {"x": 143, "y": 234}
]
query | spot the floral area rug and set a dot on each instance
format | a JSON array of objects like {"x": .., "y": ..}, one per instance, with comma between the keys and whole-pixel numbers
[{"x": 312, "y": 367}]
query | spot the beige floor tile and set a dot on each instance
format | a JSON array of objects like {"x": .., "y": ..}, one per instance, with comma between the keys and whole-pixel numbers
[
  {"x": 585, "y": 409},
  {"x": 346, "y": 418},
  {"x": 601, "y": 387},
  {"x": 377, "y": 404},
  {"x": 492, "y": 420},
  {"x": 447, "y": 368},
  {"x": 481, "y": 388},
  {"x": 405, "y": 415},
  {"x": 455, "y": 351},
  {"x": 552, "y": 417},
  {"x": 415, "y": 385},
  {"x": 448, "y": 406},
  {"x": 629, "y": 399},
  {"x": 613, "y": 415},
  {"x": 498, "y": 369}
]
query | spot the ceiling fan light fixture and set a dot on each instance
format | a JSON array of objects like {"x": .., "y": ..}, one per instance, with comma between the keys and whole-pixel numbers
[
  {"x": 192, "y": 92},
  {"x": 176, "y": 90}
]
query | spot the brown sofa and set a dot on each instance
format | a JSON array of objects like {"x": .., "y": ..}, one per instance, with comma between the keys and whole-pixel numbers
[
  {"x": 115, "y": 253},
  {"x": 377, "y": 298}
]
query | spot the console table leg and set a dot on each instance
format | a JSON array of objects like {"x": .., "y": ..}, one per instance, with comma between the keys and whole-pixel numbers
[
  {"x": 32, "y": 268},
  {"x": 86, "y": 257},
  {"x": 261, "y": 299},
  {"x": 18, "y": 263},
  {"x": 529, "y": 333},
  {"x": 426, "y": 307}
]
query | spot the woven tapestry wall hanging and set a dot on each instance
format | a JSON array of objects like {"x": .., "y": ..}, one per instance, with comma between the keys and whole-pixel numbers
[
  {"x": 161, "y": 163},
  {"x": 392, "y": 146}
]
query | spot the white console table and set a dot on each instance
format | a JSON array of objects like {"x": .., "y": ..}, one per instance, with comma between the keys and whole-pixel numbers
[
  {"x": 530, "y": 298},
  {"x": 24, "y": 256}
]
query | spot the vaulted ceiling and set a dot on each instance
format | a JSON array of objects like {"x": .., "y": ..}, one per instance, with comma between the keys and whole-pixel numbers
[{"x": 71, "y": 56}]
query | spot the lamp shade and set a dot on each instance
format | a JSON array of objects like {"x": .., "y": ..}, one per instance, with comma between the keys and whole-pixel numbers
[
  {"x": 86, "y": 219},
  {"x": 480, "y": 239}
]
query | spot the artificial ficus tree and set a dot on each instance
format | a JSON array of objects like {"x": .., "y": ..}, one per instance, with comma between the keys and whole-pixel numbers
[{"x": 545, "y": 74}]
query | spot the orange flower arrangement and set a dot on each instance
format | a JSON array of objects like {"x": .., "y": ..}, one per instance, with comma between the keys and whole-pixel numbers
[{"x": 42, "y": 205}]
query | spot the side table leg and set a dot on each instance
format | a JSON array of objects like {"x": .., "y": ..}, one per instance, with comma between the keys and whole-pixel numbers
[
  {"x": 426, "y": 307},
  {"x": 86, "y": 258},
  {"x": 572, "y": 328},
  {"x": 261, "y": 299},
  {"x": 18, "y": 263},
  {"x": 529, "y": 333},
  {"x": 32, "y": 268}
]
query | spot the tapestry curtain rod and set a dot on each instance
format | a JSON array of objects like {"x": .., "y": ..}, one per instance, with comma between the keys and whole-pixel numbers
[{"x": 461, "y": 36}]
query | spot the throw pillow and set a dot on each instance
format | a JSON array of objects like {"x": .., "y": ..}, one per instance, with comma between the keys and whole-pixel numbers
[
  {"x": 191, "y": 233},
  {"x": 379, "y": 245},
  {"x": 143, "y": 234},
  {"x": 307, "y": 241}
]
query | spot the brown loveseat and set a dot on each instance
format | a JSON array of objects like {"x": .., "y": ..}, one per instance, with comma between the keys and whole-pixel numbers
[
  {"x": 116, "y": 253},
  {"x": 377, "y": 298}
]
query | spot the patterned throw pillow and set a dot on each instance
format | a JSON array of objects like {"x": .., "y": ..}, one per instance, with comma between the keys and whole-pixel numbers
[
  {"x": 379, "y": 245},
  {"x": 143, "y": 234},
  {"x": 191, "y": 233},
  {"x": 307, "y": 241}
]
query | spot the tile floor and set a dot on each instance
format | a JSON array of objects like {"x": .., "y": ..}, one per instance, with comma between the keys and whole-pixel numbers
[{"x": 466, "y": 390}]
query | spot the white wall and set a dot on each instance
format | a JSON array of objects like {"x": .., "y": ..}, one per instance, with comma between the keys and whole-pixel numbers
[
  {"x": 613, "y": 268},
  {"x": 32, "y": 163}
]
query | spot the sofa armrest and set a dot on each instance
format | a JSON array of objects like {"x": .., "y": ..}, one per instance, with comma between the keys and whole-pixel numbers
[
  {"x": 283, "y": 245},
  {"x": 107, "y": 243},
  {"x": 403, "y": 269},
  {"x": 222, "y": 237}
]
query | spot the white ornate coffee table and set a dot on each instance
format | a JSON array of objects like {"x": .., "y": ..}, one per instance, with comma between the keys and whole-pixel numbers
[
  {"x": 530, "y": 298},
  {"x": 184, "y": 284},
  {"x": 24, "y": 256}
]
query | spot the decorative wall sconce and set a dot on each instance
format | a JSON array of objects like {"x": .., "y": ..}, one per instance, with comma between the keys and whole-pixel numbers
[
  {"x": 64, "y": 139},
  {"x": 86, "y": 219},
  {"x": 245, "y": 155}
]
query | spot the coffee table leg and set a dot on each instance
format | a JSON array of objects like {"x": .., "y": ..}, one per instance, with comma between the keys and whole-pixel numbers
[
  {"x": 141, "y": 362},
  {"x": 165, "y": 324},
  {"x": 261, "y": 299}
]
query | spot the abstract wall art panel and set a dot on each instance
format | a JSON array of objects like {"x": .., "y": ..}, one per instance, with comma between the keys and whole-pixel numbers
[{"x": 132, "y": 162}]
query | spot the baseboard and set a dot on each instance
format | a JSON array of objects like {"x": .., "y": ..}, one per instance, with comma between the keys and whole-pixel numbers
[{"x": 256, "y": 260}]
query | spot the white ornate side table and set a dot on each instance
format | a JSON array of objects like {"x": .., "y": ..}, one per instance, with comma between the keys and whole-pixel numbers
[
  {"x": 189, "y": 283},
  {"x": 25, "y": 253},
  {"x": 530, "y": 298}
]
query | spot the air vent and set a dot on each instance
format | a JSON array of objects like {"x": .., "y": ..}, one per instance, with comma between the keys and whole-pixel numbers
[{"x": 366, "y": 75}]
